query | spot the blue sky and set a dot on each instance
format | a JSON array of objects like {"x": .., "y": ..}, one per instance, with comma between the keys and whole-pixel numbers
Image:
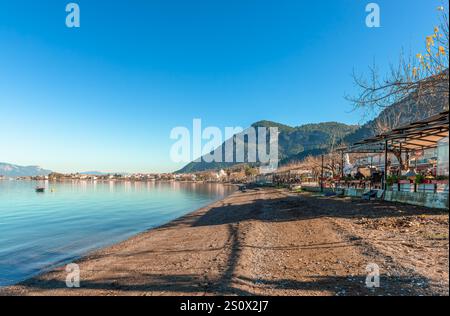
[{"x": 106, "y": 96}]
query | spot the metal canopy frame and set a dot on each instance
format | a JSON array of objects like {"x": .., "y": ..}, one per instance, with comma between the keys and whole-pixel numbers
[{"x": 420, "y": 135}]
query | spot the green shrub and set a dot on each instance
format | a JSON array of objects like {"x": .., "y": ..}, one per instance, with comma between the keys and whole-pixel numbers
[
  {"x": 392, "y": 179},
  {"x": 419, "y": 179}
]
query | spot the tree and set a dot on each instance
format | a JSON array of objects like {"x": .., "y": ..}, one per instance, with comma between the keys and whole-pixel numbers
[
  {"x": 249, "y": 171},
  {"x": 417, "y": 82},
  {"x": 422, "y": 78}
]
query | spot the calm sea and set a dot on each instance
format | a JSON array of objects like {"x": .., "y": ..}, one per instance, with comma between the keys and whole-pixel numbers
[{"x": 41, "y": 230}]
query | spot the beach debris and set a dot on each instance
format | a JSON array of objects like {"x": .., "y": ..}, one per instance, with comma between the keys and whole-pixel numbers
[{"x": 403, "y": 222}]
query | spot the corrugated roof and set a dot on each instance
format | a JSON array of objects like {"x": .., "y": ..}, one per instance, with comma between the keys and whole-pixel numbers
[{"x": 418, "y": 135}]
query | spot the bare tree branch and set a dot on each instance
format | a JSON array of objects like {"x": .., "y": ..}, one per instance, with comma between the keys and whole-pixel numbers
[{"x": 420, "y": 77}]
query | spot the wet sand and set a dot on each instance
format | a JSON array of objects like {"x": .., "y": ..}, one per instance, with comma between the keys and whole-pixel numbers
[{"x": 270, "y": 242}]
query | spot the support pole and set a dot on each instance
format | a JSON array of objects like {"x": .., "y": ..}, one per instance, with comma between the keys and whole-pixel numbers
[
  {"x": 371, "y": 174},
  {"x": 385, "y": 165}
]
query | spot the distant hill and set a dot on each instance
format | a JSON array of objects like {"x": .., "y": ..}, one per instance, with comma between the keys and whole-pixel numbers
[
  {"x": 296, "y": 143},
  {"x": 293, "y": 142},
  {"x": 10, "y": 170},
  {"x": 93, "y": 173}
]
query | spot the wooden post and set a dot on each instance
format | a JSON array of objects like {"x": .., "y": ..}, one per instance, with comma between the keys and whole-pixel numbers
[
  {"x": 321, "y": 177},
  {"x": 385, "y": 165}
]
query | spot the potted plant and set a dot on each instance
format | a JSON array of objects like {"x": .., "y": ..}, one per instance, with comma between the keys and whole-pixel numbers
[
  {"x": 419, "y": 179},
  {"x": 423, "y": 183},
  {"x": 428, "y": 180},
  {"x": 392, "y": 179}
]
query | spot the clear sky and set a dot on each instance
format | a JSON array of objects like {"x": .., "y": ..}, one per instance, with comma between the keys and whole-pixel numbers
[{"x": 106, "y": 96}]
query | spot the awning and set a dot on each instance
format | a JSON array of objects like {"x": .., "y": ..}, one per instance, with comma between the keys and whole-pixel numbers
[{"x": 419, "y": 135}]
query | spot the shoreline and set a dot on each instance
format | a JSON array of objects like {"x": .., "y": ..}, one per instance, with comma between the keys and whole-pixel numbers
[
  {"x": 74, "y": 259},
  {"x": 262, "y": 242},
  {"x": 59, "y": 266},
  {"x": 120, "y": 180}
]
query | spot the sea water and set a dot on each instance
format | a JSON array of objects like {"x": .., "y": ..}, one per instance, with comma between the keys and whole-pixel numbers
[{"x": 39, "y": 231}]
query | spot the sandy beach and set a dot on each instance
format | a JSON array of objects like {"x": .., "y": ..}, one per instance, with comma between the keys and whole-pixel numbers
[{"x": 271, "y": 242}]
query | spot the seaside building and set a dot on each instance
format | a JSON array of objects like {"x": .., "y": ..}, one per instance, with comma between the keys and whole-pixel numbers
[{"x": 421, "y": 177}]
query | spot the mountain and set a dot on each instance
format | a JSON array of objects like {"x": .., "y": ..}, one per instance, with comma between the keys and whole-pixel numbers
[
  {"x": 93, "y": 173},
  {"x": 294, "y": 143},
  {"x": 10, "y": 170}
]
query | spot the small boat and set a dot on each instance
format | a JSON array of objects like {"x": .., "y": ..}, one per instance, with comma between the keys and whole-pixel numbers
[{"x": 40, "y": 190}]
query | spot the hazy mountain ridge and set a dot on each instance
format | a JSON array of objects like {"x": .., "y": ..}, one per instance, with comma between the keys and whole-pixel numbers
[
  {"x": 11, "y": 170},
  {"x": 93, "y": 173}
]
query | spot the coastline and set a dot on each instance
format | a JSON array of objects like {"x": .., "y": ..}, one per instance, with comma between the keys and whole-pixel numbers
[
  {"x": 111, "y": 242},
  {"x": 262, "y": 242}
]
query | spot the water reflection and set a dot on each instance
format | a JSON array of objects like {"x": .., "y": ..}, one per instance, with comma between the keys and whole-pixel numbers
[{"x": 38, "y": 231}]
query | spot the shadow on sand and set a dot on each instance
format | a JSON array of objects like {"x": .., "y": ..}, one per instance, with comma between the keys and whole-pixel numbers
[{"x": 290, "y": 208}]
